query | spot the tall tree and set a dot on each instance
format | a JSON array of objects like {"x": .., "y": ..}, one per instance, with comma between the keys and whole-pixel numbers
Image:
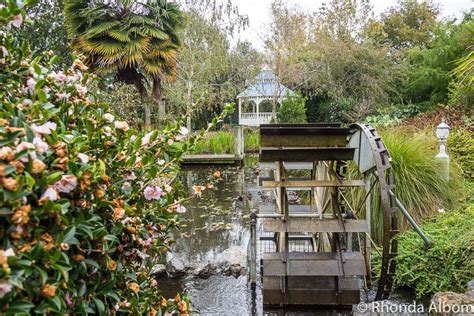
[
  {"x": 207, "y": 76},
  {"x": 138, "y": 41},
  {"x": 410, "y": 23}
]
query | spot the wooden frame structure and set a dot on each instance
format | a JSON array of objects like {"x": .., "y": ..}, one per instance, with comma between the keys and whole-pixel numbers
[{"x": 335, "y": 265}]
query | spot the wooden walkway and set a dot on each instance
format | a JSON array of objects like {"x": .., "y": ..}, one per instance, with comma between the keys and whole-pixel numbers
[{"x": 210, "y": 159}]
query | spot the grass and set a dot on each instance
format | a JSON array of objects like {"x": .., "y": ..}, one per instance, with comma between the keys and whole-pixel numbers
[{"x": 222, "y": 142}]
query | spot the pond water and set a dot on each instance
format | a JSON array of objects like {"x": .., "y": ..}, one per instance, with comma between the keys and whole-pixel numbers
[{"x": 216, "y": 230}]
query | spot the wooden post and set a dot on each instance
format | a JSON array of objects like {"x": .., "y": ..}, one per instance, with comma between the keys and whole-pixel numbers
[
  {"x": 253, "y": 249},
  {"x": 239, "y": 140}
]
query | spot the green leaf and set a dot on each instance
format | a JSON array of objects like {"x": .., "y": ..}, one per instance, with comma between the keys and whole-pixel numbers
[
  {"x": 54, "y": 177},
  {"x": 42, "y": 95},
  {"x": 111, "y": 238},
  {"x": 100, "y": 306},
  {"x": 43, "y": 274},
  {"x": 69, "y": 236}
]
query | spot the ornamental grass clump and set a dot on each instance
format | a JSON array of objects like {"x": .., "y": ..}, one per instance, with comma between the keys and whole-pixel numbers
[
  {"x": 86, "y": 202},
  {"x": 419, "y": 184}
]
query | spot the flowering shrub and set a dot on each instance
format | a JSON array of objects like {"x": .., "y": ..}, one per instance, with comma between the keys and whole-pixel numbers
[{"x": 86, "y": 202}]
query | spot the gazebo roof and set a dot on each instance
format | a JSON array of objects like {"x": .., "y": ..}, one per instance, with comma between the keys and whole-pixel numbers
[{"x": 266, "y": 85}]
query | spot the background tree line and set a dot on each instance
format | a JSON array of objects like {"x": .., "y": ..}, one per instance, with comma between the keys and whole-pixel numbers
[{"x": 348, "y": 63}]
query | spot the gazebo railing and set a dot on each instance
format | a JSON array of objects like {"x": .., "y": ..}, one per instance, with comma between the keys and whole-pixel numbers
[{"x": 251, "y": 119}]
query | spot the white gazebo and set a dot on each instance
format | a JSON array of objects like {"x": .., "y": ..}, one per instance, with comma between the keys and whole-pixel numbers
[{"x": 255, "y": 102}]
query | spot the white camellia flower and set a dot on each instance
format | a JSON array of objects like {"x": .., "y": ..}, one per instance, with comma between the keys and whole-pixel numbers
[
  {"x": 41, "y": 146},
  {"x": 109, "y": 117},
  {"x": 121, "y": 125},
  {"x": 183, "y": 131},
  {"x": 146, "y": 139},
  {"x": 44, "y": 129},
  {"x": 83, "y": 157},
  {"x": 50, "y": 194}
]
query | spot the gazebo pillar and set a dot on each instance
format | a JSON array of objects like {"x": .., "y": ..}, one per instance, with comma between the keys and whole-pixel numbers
[
  {"x": 239, "y": 102},
  {"x": 258, "y": 111}
]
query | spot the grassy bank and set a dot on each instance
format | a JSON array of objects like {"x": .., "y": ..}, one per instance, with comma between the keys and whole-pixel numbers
[{"x": 223, "y": 142}]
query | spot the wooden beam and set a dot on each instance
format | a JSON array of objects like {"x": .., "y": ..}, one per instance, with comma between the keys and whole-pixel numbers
[
  {"x": 313, "y": 264},
  {"x": 306, "y": 154},
  {"x": 304, "y": 225},
  {"x": 313, "y": 183}
]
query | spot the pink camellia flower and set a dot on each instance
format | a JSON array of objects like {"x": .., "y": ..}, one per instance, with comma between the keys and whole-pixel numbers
[
  {"x": 83, "y": 157},
  {"x": 130, "y": 176},
  {"x": 121, "y": 125},
  {"x": 66, "y": 184},
  {"x": 81, "y": 90},
  {"x": 60, "y": 77},
  {"x": 44, "y": 129},
  {"x": 50, "y": 194},
  {"x": 180, "y": 209},
  {"x": 41, "y": 146},
  {"x": 29, "y": 147},
  {"x": 153, "y": 193},
  {"x": 17, "y": 21},
  {"x": 170, "y": 141},
  {"x": 5, "y": 288},
  {"x": 63, "y": 95},
  {"x": 31, "y": 83}
]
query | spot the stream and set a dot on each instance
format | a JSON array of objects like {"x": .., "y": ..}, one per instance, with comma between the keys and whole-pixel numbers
[{"x": 216, "y": 233}]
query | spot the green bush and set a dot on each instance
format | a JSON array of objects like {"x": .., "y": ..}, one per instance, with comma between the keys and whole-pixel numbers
[
  {"x": 449, "y": 264},
  {"x": 461, "y": 150},
  {"x": 252, "y": 140},
  {"x": 292, "y": 110},
  {"x": 87, "y": 204}
]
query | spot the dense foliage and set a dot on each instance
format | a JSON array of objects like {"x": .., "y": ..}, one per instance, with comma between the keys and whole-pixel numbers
[
  {"x": 86, "y": 202},
  {"x": 461, "y": 149},
  {"x": 449, "y": 264},
  {"x": 292, "y": 110}
]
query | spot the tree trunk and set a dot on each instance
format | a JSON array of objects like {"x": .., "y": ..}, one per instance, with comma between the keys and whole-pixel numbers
[
  {"x": 131, "y": 76},
  {"x": 157, "y": 94},
  {"x": 189, "y": 106}
]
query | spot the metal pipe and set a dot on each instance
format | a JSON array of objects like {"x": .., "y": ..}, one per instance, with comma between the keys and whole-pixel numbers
[{"x": 412, "y": 222}]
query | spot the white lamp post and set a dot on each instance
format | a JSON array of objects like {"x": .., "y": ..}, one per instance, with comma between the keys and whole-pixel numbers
[{"x": 442, "y": 132}]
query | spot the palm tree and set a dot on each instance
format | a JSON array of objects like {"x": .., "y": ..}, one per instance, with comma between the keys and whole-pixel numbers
[{"x": 136, "y": 39}]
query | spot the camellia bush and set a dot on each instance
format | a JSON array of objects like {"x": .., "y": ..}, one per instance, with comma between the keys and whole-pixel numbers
[{"x": 87, "y": 204}]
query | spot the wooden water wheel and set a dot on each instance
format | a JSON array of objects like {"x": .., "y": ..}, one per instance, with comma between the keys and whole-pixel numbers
[{"x": 315, "y": 248}]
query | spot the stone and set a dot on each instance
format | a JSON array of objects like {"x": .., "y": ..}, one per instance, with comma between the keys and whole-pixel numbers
[
  {"x": 174, "y": 266},
  {"x": 158, "y": 270}
]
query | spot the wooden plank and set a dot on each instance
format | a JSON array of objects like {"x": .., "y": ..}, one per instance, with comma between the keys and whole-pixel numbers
[
  {"x": 288, "y": 165},
  {"x": 311, "y": 297},
  {"x": 313, "y": 282},
  {"x": 293, "y": 209},
  {"x": 313, "y": 264},
  {"x": 320, "y": 124},
  {"x": 313, "y": 183},
  {"x": 303, "y": 136},
  {"x": 306, "y": 154},
  {"x": 304, "y": 225},
  {"x": 303, "y": 131},
  {"x": 211, "y": 159}
]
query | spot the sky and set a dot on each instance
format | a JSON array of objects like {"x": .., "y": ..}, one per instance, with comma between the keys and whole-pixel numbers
[{"x": 258, "y": 12}]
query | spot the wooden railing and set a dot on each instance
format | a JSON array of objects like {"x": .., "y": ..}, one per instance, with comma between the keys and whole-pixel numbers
[{"x": 252, "y": 119}]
